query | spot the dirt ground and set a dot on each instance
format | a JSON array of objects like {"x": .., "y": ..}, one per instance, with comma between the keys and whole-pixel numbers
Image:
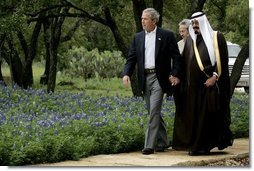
[{"x": 241, "y": 161}]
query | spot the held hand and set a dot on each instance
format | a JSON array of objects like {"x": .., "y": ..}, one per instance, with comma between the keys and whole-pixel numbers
[
  {"x": 210, "y": 81},
  {"x": 126, "y": 81},
  {"x": 174, "y": 80}
]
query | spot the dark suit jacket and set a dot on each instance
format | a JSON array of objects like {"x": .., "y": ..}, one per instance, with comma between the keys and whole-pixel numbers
[{"x": 166, "y": 49}]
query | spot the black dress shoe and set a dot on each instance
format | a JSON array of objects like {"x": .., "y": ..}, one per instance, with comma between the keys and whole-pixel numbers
[{"x": 147, "y": 151}]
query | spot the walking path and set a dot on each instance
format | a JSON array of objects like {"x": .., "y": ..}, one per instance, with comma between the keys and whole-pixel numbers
[{"x": 170, "y": 157}]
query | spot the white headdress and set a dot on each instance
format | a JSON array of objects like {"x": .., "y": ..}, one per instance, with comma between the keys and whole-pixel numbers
[{"x": 206, "y": 32}]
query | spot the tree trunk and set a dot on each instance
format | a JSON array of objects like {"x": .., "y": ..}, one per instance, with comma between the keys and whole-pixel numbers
[
  {"x": 138, "y": 7},
  {"x": 55, "y": 31},
  {"x": 52, "y": 69},
  {"x": 32, "y": 50},
  {"x": 53, "y": 56},
  {"x": 16, "y": 67},
  {"x": 158, "y": 5},
  {"x": 116, "y": 33},
  {"x": 238, "y": 66},
  {"x": 46, "y": 36}
]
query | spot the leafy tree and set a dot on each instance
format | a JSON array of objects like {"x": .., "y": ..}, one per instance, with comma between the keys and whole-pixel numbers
[
  {"x": 107, "y": 20},
  {"x": 15, "y": 28},
  {"x": 237, "y": 26},
  {"x": 105, "y": 24},
  {"x": 237, "y": 21},
  {"x": 216, "y": 13}
]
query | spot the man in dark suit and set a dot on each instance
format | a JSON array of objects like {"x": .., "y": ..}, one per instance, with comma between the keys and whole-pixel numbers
[{"x": 152, "y": 50}]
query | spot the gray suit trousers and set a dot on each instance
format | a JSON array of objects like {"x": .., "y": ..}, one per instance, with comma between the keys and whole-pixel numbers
[{"x": 156, "y": 133}]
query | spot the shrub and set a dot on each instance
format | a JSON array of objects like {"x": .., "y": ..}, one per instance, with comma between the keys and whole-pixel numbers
[
  {"x": 91, "y": 64},
  {"x": 39, "y": 127}
]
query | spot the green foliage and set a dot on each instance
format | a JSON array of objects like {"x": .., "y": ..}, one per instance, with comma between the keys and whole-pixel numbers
[
  {"x": 67, "y": 127},
  {"x": 240, "y": 115},
  {"x": 98, "y": 37},
  {"x": 90, "y": 64},
  {"x": 11, "y": 19},
  {"x": 216, "y": 12},
  {"x": 94, "y": 35},
  {"x": 91, "y": 34},
  {"x": 174, "y": 12},
  {"x": 37, "y": 127},
  {"x": 237, "y": 21}
]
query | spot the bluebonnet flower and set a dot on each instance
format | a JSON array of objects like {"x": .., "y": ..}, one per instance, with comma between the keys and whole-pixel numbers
[{"x": 2, "y": 118}]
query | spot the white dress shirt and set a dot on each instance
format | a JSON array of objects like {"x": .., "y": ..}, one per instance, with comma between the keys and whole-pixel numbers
[{"x": 150, "y": 49}]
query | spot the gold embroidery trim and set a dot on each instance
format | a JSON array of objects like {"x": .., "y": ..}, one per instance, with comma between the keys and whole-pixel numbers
[{"x": 217, "y": 55}]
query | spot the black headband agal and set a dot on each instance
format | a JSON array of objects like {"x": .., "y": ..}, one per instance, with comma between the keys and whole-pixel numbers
[{"x": 196, "y": 16}]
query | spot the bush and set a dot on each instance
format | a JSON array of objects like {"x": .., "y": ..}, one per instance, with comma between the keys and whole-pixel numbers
[
  {"x": 240, "y": 115},
  {"x": 39, "y": 127},
  {"x": 91, "y": 64}
]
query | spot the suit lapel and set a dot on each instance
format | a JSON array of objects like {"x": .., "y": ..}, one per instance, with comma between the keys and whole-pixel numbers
[
  {"x": 142, "y": 46},
  {"x": 158, "y": 40}
]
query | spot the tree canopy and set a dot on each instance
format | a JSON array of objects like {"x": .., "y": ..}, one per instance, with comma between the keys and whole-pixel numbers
[{"x": 43, "y": 29}]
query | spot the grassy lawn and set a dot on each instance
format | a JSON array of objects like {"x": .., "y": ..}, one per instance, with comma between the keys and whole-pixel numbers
[
  {"x": 93, "y": 86},
  {"x": 90, "y": 87}
]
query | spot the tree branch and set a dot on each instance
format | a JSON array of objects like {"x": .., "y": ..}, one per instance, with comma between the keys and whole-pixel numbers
[
  {"x": 46, "y": 9},
  {"x": 69, "y": 35},
  {"x": 81, "y": 15}
]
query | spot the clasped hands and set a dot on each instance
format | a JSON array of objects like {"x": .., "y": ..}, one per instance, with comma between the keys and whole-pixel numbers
[{"x": 174, "y": 80}]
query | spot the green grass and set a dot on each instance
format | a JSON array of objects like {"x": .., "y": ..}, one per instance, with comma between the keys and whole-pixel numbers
[{"x": 95, "y": 86}]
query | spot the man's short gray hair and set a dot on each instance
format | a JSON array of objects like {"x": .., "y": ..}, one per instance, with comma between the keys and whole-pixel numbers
[
  {"x": 185, "y": 22},
  {"x": 154, "y": 14}
]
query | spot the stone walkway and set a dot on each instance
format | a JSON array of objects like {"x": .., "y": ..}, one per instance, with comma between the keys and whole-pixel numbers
[{"x": 170, "y": 157}]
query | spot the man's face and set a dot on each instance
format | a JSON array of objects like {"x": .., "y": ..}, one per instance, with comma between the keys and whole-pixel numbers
[
  {"x": 147, "y": 22},
  {"x": 183, "y": 31},
  {"x": 195, "y": 26}
]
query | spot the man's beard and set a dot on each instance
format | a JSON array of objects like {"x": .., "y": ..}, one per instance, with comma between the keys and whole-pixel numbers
[{"x": 196, "y": 31}]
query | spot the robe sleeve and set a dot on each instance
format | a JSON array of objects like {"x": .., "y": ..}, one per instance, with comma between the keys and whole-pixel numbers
[{"x": 224, "y": 80}]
